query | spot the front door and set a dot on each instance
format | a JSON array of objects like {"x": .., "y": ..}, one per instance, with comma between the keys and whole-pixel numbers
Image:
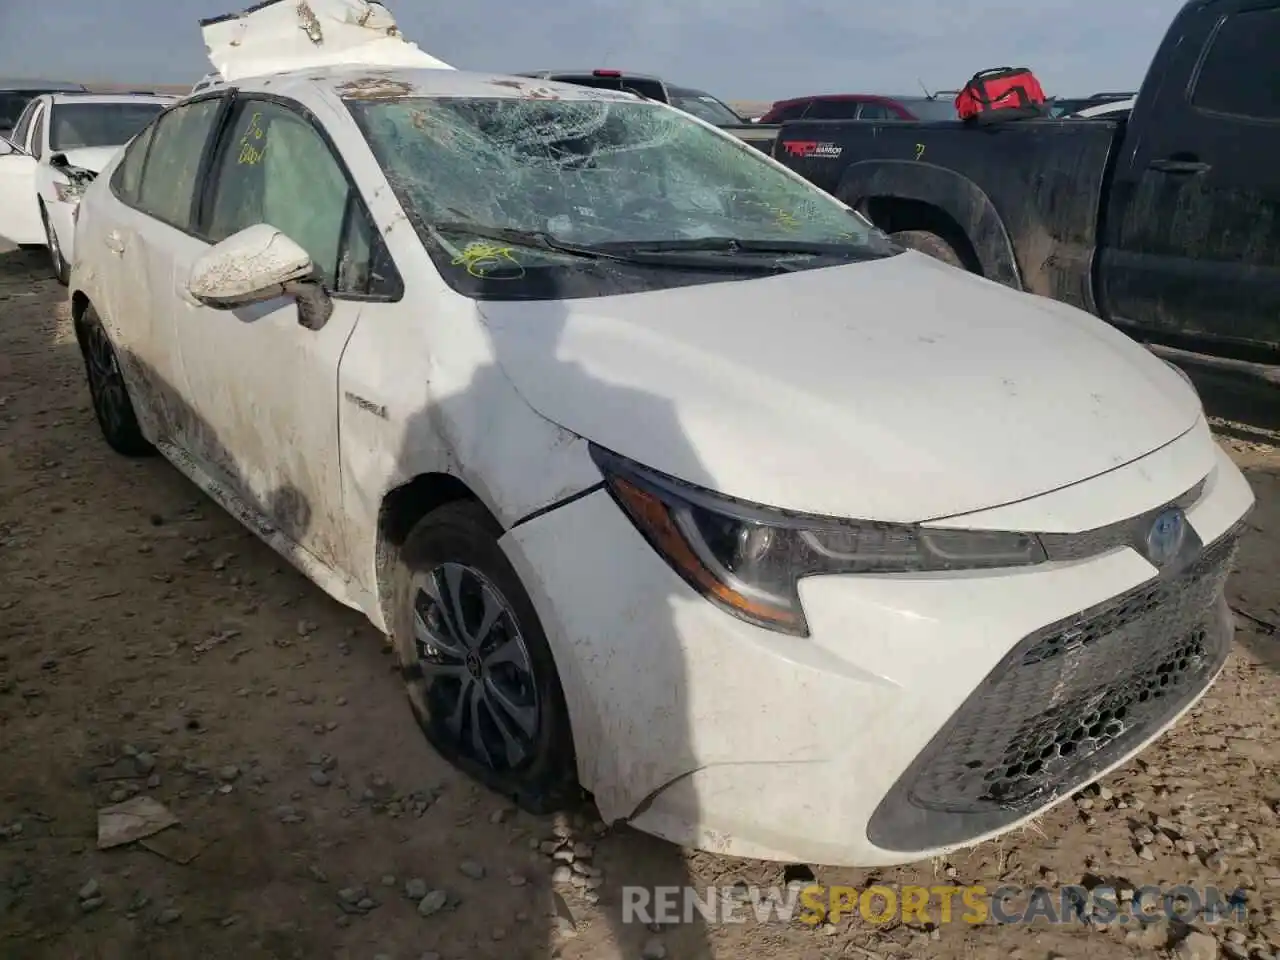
[
  {"x": 1193, "y": 245},
  {"x": 264, "y": 386},
  {"x": 19, "y": 213}
]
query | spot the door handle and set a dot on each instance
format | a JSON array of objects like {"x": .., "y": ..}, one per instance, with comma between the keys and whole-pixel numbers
[
  {"x": 1183, "y": 167},
  {"x": 114, "y": 242}
]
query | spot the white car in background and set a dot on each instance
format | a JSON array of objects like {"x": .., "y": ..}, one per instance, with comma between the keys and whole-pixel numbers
[
  {"x": 58, "y": 145},
  {"x": 668, "y": 475}
]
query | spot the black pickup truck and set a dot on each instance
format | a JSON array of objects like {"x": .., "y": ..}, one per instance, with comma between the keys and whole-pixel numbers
[{"x": 1167, "y": 225}]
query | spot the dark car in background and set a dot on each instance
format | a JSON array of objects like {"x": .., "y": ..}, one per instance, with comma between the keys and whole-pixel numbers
[
  {"x": 16, "y": 94},
  {"x": 699, "y": 103},
  {"x": 861, "y": 106}
]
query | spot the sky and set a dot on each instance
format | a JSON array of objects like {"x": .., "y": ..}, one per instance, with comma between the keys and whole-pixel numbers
[{"x": 737, "y": 49}]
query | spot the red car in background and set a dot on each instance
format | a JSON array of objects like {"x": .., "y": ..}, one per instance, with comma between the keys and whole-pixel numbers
[{"x": 859, "y": 106}]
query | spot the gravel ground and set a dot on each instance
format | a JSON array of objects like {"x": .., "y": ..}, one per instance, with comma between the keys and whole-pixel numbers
[{"x": 153, "y": 648}]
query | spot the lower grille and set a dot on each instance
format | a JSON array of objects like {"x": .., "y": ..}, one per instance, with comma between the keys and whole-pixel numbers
[{"x": 1066, "y": 702}]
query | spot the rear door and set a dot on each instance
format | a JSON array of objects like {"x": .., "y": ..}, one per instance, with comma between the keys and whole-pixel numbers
[
  {"x": 156, "y": 186},
  {"x": 1192, "y": 245}
]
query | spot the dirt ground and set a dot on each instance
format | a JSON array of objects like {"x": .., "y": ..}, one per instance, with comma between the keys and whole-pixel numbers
[{"x": 150, "y": 646}]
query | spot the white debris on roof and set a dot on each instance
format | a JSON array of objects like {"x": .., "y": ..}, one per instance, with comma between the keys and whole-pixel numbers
[{"x": 283, "y": 35}]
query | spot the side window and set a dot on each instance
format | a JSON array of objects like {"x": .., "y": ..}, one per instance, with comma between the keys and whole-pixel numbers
[
  {"x": 129, "y": 173},
  {"x": 833, "y": 110},
  {"x": 173, "y": 162},
  {"x": 793, "y": 112},
  {"x": 20, "y": 129},
  {"x": 274, "y": 167},
  {"x": 1233, "y": 75},
  {"x": 36, "y": 147},
  {"x": 876, "y": 111}
]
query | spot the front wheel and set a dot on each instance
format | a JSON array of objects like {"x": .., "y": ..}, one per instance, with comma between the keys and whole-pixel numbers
[
  {"x": 111, "y": 403},
  {"x": 476, "y": 663},
  {"x": 61, "y": 269}
]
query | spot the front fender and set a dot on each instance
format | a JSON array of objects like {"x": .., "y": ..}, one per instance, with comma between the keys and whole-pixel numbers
[{"x": 956, "y": 195}]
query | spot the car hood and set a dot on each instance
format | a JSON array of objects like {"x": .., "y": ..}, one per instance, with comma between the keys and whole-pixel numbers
[
  {"x": 90, "y": 158},
  {"x": 900, "y": 389}
]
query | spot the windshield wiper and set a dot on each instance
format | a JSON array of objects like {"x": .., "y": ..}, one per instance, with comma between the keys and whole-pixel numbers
[
  {"x": 656, "y": 254},
  {"x": 819, "y": 248}
]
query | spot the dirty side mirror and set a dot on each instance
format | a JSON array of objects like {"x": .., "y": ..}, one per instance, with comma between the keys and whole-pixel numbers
[{"x": 258, "y": 264}]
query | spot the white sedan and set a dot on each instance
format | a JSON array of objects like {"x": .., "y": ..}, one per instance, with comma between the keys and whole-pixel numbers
[
  {"x": 670, "y": 478},
  {"x": 57, "y": 146}
]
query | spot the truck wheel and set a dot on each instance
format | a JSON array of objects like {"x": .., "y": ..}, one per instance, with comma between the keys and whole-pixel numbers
[
  {"x": 477, "y": 665},
  {"x": 929, "y": 243}
]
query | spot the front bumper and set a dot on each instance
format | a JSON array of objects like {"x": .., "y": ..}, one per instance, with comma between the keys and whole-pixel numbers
[{"x": 909, "y": 723}]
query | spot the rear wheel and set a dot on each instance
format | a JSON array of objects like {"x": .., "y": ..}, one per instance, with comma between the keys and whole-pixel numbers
[
  {"x": 61, "y": 269},
  {"x": 476, "y": 663},
  {"x": 111, "y": 403},
  {"x": 929, "y": 243}
]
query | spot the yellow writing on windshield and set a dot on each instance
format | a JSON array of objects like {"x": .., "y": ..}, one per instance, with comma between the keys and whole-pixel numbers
[
  {"x": 785, "y": 219},
  {"x": 480, "y": 259}
]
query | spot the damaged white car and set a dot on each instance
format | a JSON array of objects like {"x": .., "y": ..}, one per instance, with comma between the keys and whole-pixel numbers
[
  {"x": 668, "y": 475},
  {"x": 56, "y": 148}
]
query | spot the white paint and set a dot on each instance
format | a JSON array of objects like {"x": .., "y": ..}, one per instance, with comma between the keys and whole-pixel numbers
[
  {"x": 1104, "y": 110},
  {"x": 897, "y": 390},
  {"x": 241, "y": 268},
  {"x": 27, "y": 177},
  {"x": 889, "y": 390},
  {"x": 291, "y": 35}
]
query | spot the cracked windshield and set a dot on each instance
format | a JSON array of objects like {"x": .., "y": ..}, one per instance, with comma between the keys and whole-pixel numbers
[{"x": 530, "y": 182}]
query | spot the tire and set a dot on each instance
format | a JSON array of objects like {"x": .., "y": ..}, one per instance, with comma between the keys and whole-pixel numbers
[
  {"x": 929, "y": 243},
  {"x": 111, "y": 402},
  {"x": 61, "y": 269},
  {"x": 454, "y": 551}
]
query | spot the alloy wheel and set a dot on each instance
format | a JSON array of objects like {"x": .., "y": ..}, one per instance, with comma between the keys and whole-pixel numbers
[
  {"x": 106, "y": 384},
  {"x": 476, "y": 670}
]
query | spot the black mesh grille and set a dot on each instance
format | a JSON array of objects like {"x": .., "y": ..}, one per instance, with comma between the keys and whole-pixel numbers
[{"x": 1066, "y": 702}]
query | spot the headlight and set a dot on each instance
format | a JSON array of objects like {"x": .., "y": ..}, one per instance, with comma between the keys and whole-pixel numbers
[{"x": 748, "y": 559}]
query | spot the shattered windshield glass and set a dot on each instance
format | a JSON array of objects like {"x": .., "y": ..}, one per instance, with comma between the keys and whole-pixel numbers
[{"x": 599, "y": 175}]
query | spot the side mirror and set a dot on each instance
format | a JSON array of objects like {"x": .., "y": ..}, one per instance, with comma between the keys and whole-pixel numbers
[
  {"x": 7, "y": 148},
  {"x": 59, "y": 161},
  {"x": 259, "y": 264}
]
